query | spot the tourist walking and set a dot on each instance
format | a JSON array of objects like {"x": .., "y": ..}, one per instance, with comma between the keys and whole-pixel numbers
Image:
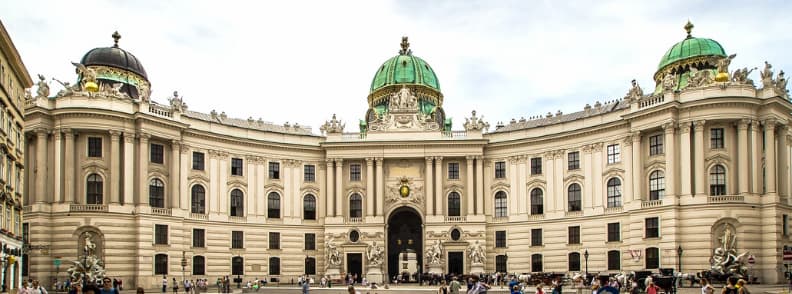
[
  {"x": 706, "y": 288},
  {"x": 729, "y": 288},
  {"x": 306, "y": 287},
  {"x": 164, "y": 284},
  {"x": 454, "y": 286},
  {"x": 107, "y": 287},
  {"x": 36, "y": 288},
  {"x": 175, "y": 286}
]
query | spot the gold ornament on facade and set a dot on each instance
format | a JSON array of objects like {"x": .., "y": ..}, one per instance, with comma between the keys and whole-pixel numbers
[{"x": 404, "y": 190}]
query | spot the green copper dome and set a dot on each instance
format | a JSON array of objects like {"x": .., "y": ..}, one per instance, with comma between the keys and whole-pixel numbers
[
  {"x": 405, "y": 69},
  {"x": 691, "y": 47}
]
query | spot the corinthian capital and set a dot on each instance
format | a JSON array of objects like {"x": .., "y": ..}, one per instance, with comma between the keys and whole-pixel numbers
[{"x": 699, "y": 125}]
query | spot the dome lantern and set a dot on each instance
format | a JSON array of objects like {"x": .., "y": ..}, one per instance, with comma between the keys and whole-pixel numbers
[
  {"x": 115, "y": 65},
  {"x": 690, "y": 53}
]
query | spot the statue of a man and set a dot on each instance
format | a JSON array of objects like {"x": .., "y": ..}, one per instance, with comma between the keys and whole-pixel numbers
[
  {"x": 43, "y": 87},
  {"x": 723, "y": 63},
  {"x": 89, "y": 245},
  {"x": 374, "y": 254},
  {"x": 669, "y": 82},
  {"x": 476, "y": 253},
  {"x": 767, "y": 75}
]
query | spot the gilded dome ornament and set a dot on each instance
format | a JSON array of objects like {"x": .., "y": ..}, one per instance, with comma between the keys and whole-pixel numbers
[
  {"x": 405, "y": 47},
  {"x": 689, "y": 28},
  {"x": 116, "y": 36}
]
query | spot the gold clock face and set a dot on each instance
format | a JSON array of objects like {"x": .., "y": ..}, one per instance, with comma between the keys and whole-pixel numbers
[{"x": 404, "y": 191}]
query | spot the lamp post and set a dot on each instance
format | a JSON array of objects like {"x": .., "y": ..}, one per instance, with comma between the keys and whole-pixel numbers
[
  {"x": 586, "y": 256},
  {"x": 183, "y": 263}
]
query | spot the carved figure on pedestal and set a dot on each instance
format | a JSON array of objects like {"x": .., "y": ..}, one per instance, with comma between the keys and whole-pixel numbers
[
  {"x": 669, "y": 82},
  {"x": 740, "y": 76},
  {"x": 333, "y": 256},
  {"x": 87, "y": 75},
  {"x": 374, "y": 254},
  {"x": 435, "y": 253},
  {"x": 43, "y": 88},
  {"x": 723, "y": 63},
  {"x": 67, "y": 88},
  {"x": 143, "y": 91},
  {"x": 635, "y": 92},
  {"x": 767, "y": 75},
  {"x": 781, "y": 82},
  {"x": 476, "y": 253}
]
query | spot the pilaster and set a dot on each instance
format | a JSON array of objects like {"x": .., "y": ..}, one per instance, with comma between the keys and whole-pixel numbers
[
  {"x": 143, "y": 165},
  {"x": 115, "y": 166},
  {"x": 339, "y": 175},
  {"x": 379, "y": 161},
  {"x": 429, "y": 193},
  {"x": 742, "y": 157},
  {"x": 670, "y": 157},
  {"x": 58, "y": 154},
  {"x": 330, "y": 193},
  {"x": 685, "y": 162},
  {"x": 469, "y": 188},
  {"x": 68, "y": 162},
  {"x": 41, "y": 164},
  {"x": 770, "y": 156}
]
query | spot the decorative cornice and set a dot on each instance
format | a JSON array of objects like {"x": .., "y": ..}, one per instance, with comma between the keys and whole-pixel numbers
[{"x": 198, "y": 177}]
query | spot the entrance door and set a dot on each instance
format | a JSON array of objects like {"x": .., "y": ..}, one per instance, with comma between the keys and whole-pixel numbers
[
  {"x": 456, "y": 261},
  {"x": 404, "y": 235},
  {"x": 355, "y": 265}
]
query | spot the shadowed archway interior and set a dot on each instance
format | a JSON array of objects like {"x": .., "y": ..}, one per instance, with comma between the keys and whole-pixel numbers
[{"x": 404, "y": 232}]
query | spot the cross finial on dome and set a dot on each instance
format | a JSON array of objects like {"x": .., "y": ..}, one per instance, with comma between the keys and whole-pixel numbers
[
  {"x": 405, "y": 47},
  {"x": 116, "y": 36},
  {"x": 689, "y": 27}
]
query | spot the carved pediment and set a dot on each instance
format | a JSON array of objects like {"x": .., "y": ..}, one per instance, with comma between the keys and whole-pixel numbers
[
  {"x": 574, "y": 178},
  {"x": 237, "y": 181},
  {"x": 309, "y": 188},
  {"x": 536, "y": 182},
  {"x": 355, "y": 187},
  {"x": 273, "y": 186},
  {"x": 658, "y": 164},
  {"x": 95, "y": 164},
  {"x": 453, "y": 187},
  {"x": 612, "y": 171},
  {"x": 500, "y": 185},
  {"x": 161, "y": 170},
  {"x": 198, "y": 177}
]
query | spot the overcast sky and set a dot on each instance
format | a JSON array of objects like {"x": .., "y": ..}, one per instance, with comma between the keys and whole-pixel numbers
[{"x": 302, "y": 61}]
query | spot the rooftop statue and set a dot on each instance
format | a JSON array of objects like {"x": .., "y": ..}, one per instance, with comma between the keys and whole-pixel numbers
[
  {"x": 143, "y": 91},
  {"x": 43, "y": 88},
  {"x": 723, "y": 63},
  {"x": 767, "y": 75},
  {"x": 669, "y": 82},
  {"x": 740, "y": 76},
  {"x": 781, "y": 83},
  {"x": 87, "y": 75},
  {"x": 635, "y": 92},
  {"x": 474, "y": 123},
  {"x": 699, "y": 78},
  {"x": 332, "y": 126}
]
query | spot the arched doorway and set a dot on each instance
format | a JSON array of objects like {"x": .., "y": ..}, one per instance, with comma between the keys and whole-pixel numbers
[{"x": 405, "y": 234}]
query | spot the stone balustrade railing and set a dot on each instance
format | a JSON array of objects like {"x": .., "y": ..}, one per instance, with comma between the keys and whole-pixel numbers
[
  {"x": 455, "y": 219},
  {"x": 354, "y": 220},
  {"x": 649, "y": 101},
  {"x": 88, "y": 208},
  {"x": 200, "y": 216},
  {"x": 160, "y": 110},
  {"x": 161, "y": 211},
  {"x": 652, "y": 203},
  {"x": 726, "y": 199},
  {"x": 237, "y": 219}
]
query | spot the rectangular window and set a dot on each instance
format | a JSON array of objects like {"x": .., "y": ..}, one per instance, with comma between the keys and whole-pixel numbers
[
  {"x": 161, "y": 234},
  {"x": 785, "y": 228},
  {"x": 573, "y": 160},
  {"x": 354, "y": 172},
  {"x": 274, "y": 240},
  {"x": 500, "y": 239},
  {"x": 236, "y": 166},
  {"x": 574, "y": 235},
  {"x": 309, "y": 173},
  {"x": 614, "y": 232},
  {"x": 198, "y": 161},
  {"x": 500, "y": 170},
  {"x": 453, "y": 170},
  {"x": 500, "y": 264},
  {"x": 157, "y": 153},
  {"x": 656, "y": 145},
  {"x": 536, "y": 237},
  {"x": 614, "y": 260},
  {"x": 237, "y": 239},
  {"x": 94, "y": 147},
  {"x": 274, "y": 170},
  {"x": 716, "y": 138},
  {"x": 652, "y": 227},
  {"x": 536, "y": 166},
  {"x": 199, "y": 238},
  {"x": 614, "y": 153},
  {"x": 310, "y": 241}
]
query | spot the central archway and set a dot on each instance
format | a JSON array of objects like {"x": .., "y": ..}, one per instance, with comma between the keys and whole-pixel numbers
[{"x": 405, "y": 234}]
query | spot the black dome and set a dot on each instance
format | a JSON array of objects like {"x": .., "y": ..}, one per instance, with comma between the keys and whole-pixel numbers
[{"x": 114, "y": 57}]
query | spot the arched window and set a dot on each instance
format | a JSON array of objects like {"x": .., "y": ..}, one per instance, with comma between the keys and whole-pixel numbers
[
  {"x": 573, "y": 193},
  {"x": 94, "y": 190},
  {"x": 161, "y": 264},
  {"x": 199, "y": 265},
  {"x": 656, "y": 185},
  {"x": 198, "y": 196},
  {"x": 500, "y": 204},
  {"x": 274, "y": 266},
  {"x": 237, "y": 203},
  {"x": 614, "y": 193},
  {"x": 537, "y": 201},
  {"x": 273, "y": 205},
  {"x": 237, "y": 265},
  {"x": 614, "y": 260},
  {"x": 652, "y": 258},
  {"x": 309, "y": 207},
  {"x": 157, "y": 193},
  {"x": 717, "y": 180},
  {"x": 453, "y": 204},
  {"x": 310, "y": 266},
  {"x": 355, "y": 205},
  {"x": 574, "y": 262},
  {"x": 536, "y": 263}
]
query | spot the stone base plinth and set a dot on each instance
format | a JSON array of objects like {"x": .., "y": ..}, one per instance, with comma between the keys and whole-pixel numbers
[
  {"x": 374, "y": 275},
  {"x": 334, "y": 273},
  {"x": 436, "y": 269},
  {"x": 476, "y": 268}
]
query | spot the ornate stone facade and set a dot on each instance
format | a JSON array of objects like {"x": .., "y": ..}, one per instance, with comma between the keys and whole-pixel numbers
[{"x": 628, "y": 181}]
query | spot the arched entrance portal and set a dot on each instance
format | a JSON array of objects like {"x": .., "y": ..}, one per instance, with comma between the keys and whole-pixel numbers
[{"x": 405, "y": 235}]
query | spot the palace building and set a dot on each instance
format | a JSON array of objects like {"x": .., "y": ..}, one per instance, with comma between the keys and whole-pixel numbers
[
  {"x": 659, "y": 179},
  {"x": 14, "y": 79}
]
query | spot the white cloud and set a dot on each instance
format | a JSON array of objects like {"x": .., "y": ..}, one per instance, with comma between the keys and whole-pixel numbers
[{"x": 302, "y": 61}]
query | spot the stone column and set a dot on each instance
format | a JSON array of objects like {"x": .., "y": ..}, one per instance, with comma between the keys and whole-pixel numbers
[
  {"x": 550, "y": 188},
  {"x": 185, "y": 164},
  {"x": 41, "y": 164},
  {"x": 518, "y": 191},
  {"x": 68, "y": 163},
  {"x": 788, "y": 162},
  {"x": 429, "y": 191},
  {"x": 480, "y": 185},
  {"x": 770, "y": 155},
  {"x": 174, "y": 173},
  {"x": 637, "y": 166},
  {"x": 115, "y": 167},
  {"x": 212, "y": 197},
  {"x": 296, "y": 182},
  {"x": 756, "y": 158},
  {"x": 686, "y": 160},
  {"x": 742, "y": 156},
  {"x": 370, "y": 186},
  {"x": 339, "y": 176},
  {"x": 288, "y": 190},
  {"x": 261, "y": 178},
  {"x": 670, "y": 158},
  {"x": 559, "y": 203},
  {"x": 699, "y": 173},
  {"x": 587, "y": 200},
  {"x": 143, "y": 163},
  {"x": 380, "y": 183},
  {"x": 438, "y": 185},
  {"x": 222, "y": 185},
  {"x": 470, "y": 195},
  {"x": 783, "y": 161},
  {"x": 330, "y": 193},
  {"x": 129, "y": 168},
  {"x": 56, "y": 187},
  {"x": 514, "y": 187},
  {"x": 250, "y": 197},
  {"x": 627, "y": 157},
  {"x": 597, "y": 165}
]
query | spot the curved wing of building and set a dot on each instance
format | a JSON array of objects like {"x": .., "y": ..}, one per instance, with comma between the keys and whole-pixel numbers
[{"x": 659, "y": 179}]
